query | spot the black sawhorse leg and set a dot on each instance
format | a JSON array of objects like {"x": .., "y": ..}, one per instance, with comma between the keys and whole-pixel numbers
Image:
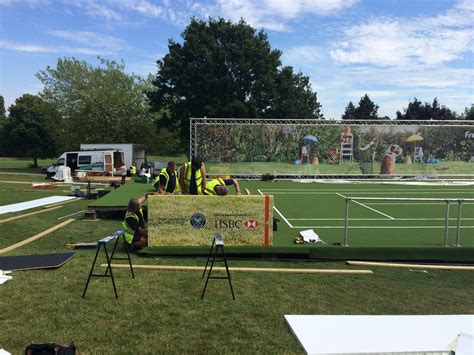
[
  {"x": 108, "y": 271},
  {"x": 216, "y": 256}
]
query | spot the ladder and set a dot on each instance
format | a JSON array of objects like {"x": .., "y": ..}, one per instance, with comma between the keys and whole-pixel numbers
[{"x": 347, "y": 150}]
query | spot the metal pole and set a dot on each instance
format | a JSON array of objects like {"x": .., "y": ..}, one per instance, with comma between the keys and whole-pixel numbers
[
  {"x": 446, "y": 224},
  {"x": 458, "y": 230},
  {"x": 346, "y": 222}
]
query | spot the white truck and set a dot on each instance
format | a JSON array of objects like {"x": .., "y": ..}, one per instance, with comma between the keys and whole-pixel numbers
[{"x": 101, "y": 158}]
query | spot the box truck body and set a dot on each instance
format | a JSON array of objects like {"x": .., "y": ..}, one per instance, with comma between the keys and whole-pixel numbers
[{"x": 132, "y": 153}]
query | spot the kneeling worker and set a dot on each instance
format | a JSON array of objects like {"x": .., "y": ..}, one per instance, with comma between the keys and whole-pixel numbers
[
  {"x": 192, "y": 177},
  {"x": 167, "y": 182},
  {"x": 219, "y": 187},
  {"x": 136, "y": 234}
]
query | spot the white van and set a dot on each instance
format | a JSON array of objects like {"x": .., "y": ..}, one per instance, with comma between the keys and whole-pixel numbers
[{"x": 107, "y": 162}]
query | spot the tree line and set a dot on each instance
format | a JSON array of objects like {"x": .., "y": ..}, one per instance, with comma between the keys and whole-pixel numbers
[{"x": 220, "y": 69}]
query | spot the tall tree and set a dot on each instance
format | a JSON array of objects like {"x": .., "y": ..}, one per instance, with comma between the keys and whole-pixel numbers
[
  {"x": 3, "y": 117},
  {"x": 31, "y": 129},
  {"x": 367, "y": 109},
  {"x": 224, "y": 69},
  {"x": 3, "y": 112},
  {"x": 469, "y": 113},
  {"x": 349, "y": 112},
  {"x": 416, "y": 110},
  {"x": 294, "y": 97},
  {"x": 100, "y": 104}
]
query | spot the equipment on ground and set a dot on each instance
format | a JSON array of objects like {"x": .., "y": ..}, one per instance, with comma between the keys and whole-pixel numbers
[
  {"x": 217, "y": 254},
  {"x": 50, "y": 348},
  {"x": 32, "y": 262},
  {"x": 120, "y": 234}
]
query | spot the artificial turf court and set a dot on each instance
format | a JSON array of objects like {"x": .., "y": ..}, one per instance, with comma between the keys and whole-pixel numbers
[{"x": 378, "y": 230}]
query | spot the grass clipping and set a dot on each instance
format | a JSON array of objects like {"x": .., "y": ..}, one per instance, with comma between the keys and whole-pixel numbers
[{"x": 192, "y": 220}]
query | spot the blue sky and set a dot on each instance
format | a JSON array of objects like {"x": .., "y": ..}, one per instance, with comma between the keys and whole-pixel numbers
[{"x": 394, "y": 50}]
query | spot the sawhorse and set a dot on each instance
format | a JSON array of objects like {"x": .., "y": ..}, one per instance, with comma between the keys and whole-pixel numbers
[
  {"x": 214, "y": 253},
  {"x": 103, "y": 242}
]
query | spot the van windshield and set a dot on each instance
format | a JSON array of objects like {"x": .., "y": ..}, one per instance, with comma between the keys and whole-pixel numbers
[{"x": 59, "y": 162}]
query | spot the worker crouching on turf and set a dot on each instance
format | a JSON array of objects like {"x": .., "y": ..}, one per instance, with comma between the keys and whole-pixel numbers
[
  {"x": 167, "y": 182},
  {"x": 136, "y": 234},
  {"x": 219, "y": 187},
  {"x": 192, "y": 177},
  {"x": 133, "y": 169}
]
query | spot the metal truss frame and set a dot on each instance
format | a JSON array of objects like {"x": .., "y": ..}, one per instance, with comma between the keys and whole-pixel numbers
[{"x": 195, "y": 122}]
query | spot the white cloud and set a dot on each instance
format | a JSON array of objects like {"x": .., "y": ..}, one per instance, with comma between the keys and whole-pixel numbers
[
  {"x": 25, "y": 2},
  {"x": 34, "y": 48},
  {"x": 303, "y": 56},
  {"x": 271, "y": 14},
  {"x": 372, "y": 93},
  {"x": 95, "y": 40},
  {"x": 96, "y": 9},
  {"x": 144, "y": 7},
  {"x": 406, "y": 42}
]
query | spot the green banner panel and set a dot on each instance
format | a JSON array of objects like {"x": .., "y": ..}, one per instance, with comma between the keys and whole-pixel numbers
[{"x": 182, "y": 220}]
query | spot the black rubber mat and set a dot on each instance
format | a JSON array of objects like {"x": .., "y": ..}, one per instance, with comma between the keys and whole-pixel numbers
[{"x": 30, "y": 262}]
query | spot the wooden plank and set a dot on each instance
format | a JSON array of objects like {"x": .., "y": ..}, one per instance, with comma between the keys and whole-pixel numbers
[
  {"x": 244, "y": 269},
  {"x": 17, "y": 182},
  {"x": 410, "y": 266},
  {"x": 36, "y": 236},
  {"x": 28, "y": 214},
  {"x": 248, "y": 191}
]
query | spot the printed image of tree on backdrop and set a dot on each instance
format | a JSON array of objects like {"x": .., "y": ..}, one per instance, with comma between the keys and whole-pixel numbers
[{"x": 276, "y": 149}]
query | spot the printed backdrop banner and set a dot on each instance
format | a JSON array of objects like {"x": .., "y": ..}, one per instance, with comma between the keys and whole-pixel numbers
[
  {"x": 425, "y": 149},
  {"x": 185, "y": 220}
]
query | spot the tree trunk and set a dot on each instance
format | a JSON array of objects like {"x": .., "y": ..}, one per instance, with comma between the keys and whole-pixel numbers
[{"x": 35, "y": 162}]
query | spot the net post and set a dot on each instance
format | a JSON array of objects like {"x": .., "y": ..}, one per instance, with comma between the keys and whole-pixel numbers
[
  {"x": 346, "y": 222},
  {"x": 446, "y": 224},
  {"x": 458, "y": 228}
]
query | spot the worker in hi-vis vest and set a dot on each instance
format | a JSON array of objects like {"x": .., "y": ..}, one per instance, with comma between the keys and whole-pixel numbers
[
  {"x": 167, "y": 181},
  {"x": 134, "y": 225},
  {"x": 192, "y": 177},
  {"x": 133, "y": 169},
  {"x": 219, "y": 187}
]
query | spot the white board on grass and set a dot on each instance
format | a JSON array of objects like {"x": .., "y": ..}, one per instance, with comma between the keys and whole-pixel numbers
[
  {"x": 379, "y": 334},
  {"x": 16, "y": 207}
]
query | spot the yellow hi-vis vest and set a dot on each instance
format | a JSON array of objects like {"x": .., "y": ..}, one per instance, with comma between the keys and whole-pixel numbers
[
  {"x": 129, "y": 231},
  {"x": 164, "y": 172},
  {"x": 212, "y": 184},
  {"x": 187, "y": 177},
  {"x": 133, "y": 170}
]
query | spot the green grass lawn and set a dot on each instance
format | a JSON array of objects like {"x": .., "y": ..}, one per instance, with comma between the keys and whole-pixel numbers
[{"x": 161, "y": 311}]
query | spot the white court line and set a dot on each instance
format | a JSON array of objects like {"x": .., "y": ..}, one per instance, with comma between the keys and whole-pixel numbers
[
  {"x": 395, "y": 203},
  {"x": 370, "y": 208},
  {"x": 277, "y": 211},
  {"x": 369, "y": 190},
  {"x": 383, "y": 227},
  {"x": 302, "y": 192},
  {"x": 378, "y": 219}
]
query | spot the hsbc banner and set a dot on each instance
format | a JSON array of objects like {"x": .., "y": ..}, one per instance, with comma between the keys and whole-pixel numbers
[{"x": 183, "y": 220}]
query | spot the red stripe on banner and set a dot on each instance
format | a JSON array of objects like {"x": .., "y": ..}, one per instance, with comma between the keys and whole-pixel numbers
[{"x": 267, "y": 215}]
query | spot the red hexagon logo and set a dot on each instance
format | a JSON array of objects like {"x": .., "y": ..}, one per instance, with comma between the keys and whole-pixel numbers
[{"x": 251, "y": 224}]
